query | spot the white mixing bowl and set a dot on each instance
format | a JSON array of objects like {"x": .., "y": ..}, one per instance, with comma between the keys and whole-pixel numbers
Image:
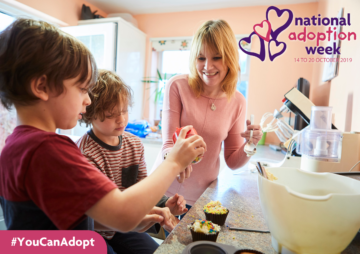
[{"x": 310, "y": 213}]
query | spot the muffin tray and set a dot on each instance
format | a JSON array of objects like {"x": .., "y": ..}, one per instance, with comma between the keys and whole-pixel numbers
[{"x": 202, "y": 247}]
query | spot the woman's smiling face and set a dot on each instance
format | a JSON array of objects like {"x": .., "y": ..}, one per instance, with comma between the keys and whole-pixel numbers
[{"x": 210, "y": 67}]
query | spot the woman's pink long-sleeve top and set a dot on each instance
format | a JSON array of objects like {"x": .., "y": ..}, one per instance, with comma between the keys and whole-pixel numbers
[{"x": 181, "y": 107}]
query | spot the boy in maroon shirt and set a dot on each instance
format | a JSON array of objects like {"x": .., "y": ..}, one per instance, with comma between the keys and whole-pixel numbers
[{"x": 45, "y": 182}]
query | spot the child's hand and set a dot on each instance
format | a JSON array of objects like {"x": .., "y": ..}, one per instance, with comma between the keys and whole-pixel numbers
[
  {"x": 147, "y": 222},
  {"x": 186, "y": 150},
  {"x": 257, "y": 133},
  {"x": 175, "y": 221},
  {"x": 185, "y": 174},
  {"x": 176, "y": 204},
  {"x": 156, "y": 215},
  {"x": 166, "y": 214}
]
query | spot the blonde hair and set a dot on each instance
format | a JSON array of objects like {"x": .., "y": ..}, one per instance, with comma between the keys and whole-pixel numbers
[{"x": 218, "y": 36}]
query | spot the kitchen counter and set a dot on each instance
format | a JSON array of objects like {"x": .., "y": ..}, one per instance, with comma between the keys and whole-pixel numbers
[{"x": 237, "y": 190}]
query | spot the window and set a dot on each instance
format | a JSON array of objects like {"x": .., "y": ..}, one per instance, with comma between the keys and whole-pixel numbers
[
  {"x": 5, "y": 21},
  {"x": 168, "y": 67},
  {"x": 242, "y": 85},
  {"x": 7, "y": 118},
  {"x": 181, "y": 65}
]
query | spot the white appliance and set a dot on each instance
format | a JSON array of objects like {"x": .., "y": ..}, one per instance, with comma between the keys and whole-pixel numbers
[
  {"x": 323, "y": 147},
  {"x": 310, "y": 213},
  {"x": 118, "y": 46},
  {"x": 327, "y": 150}
]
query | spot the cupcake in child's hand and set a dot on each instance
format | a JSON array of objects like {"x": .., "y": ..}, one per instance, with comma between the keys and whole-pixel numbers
[
  {"x": 203, "y": 230},
  {"x": 190, "y": 133},
  {"x": 215, "y": 212}
]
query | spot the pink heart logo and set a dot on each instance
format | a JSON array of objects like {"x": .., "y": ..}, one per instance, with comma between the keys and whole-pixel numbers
[{"x": 263, "y": 31}]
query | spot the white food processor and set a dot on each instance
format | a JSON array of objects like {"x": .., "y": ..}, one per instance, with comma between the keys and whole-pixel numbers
[{"x": 323, "y": 147}]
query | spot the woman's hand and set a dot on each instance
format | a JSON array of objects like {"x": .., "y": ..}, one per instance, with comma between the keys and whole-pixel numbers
[
  {"x": 176, "y": 204},
  {"x": 257, "y": 133}
]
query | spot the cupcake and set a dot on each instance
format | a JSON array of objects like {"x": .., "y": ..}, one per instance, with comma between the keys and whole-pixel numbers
[
  {"x": 215, "y": 212},
  {"x": 203, "y": 230},
  {"x": 190, "y": 133}
]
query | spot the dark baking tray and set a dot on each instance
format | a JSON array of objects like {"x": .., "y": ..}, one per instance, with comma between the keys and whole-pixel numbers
[{"x": 207, "y": 247}]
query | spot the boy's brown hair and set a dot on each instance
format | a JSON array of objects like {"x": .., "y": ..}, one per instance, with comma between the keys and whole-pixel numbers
[
  {"x": 31, "y": 48},
  {"x": 108, "y": 92}
]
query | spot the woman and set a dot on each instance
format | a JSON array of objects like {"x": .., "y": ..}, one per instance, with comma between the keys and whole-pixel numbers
[{"x": 207, "y": 99}]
